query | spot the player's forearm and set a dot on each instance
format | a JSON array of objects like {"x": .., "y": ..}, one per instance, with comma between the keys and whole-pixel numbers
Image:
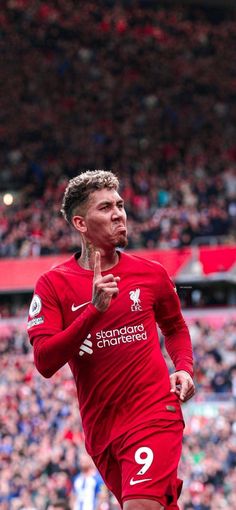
[
  {"x": 176, "y": 333},
  {"x": 179, "y": 348},
  {"x": 51, "y": 352}
]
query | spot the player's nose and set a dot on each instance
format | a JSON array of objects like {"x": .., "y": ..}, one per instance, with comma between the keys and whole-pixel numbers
[{"x": 117, "y": 212}]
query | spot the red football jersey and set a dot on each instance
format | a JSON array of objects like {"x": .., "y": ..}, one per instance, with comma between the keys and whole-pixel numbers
[{"x": 120, "y": 373}]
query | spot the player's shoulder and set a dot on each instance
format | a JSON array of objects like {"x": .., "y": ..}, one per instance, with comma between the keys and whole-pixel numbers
[
  {"x": 138, "y": 262},
  {"x": 67, "y": 266}
]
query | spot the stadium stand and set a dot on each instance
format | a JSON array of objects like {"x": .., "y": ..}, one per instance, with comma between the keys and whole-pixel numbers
[
  {"x": 119, "y": 85},
  {"x": 148, "y": 90}
]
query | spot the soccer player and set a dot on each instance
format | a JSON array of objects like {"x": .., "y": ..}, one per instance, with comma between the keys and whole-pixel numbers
[
  {"x": 87, "y": 486},
  {"x": 99, "y": 311}
]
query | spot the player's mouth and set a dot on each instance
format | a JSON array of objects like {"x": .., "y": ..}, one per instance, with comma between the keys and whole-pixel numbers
[
  {"x": 121, "y": 229},
  {"x": 120, "y": 235}
]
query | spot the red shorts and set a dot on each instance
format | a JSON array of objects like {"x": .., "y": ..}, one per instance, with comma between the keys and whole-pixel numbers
[{"x": 142, "y": 464}]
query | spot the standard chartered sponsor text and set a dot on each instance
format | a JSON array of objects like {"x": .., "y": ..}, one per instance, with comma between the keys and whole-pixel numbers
[{"x": 123, "y": 335}]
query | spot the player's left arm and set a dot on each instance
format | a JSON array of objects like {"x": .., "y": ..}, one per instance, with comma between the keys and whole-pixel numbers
[{"x": 177, "y": 338}]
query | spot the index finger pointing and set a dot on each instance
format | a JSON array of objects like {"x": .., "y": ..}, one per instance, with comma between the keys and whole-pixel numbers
[{"x": 97, "y": 264}]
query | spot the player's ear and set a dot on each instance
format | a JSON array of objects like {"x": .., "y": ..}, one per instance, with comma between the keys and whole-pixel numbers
[{"x": 79, "y": 224}]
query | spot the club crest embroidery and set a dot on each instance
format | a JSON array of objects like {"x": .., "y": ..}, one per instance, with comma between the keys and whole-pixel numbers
[{"x": 134, "y": 296}]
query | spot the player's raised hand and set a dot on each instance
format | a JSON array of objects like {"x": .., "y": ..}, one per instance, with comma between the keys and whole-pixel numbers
[{"x": 104, "y": 287}]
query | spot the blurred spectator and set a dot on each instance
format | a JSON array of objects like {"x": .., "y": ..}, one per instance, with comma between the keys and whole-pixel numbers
[{"x": 60, "y": 504}]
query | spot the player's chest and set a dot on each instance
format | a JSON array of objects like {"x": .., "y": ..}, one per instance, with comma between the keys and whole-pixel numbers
[{"x": 135, "y": 298}]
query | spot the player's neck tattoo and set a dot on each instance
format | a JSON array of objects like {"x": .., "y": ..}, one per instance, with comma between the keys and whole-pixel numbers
[
  {"x": 86, "y": 259},
  {"x": 87, "y": 256}
]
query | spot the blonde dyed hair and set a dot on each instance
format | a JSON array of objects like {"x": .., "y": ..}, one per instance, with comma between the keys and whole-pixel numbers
[{"x": 79, "y": 188}]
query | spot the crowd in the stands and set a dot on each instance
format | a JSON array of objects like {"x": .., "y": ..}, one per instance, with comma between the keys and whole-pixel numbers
[
  {"x": 137, "y": 87},
  {"x": 42, "y": 439}
]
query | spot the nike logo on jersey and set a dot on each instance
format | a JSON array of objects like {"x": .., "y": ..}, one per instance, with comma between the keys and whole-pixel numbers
[
  {"x": 74, "y": 308},
  {"x": 133, "y": 482}
]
